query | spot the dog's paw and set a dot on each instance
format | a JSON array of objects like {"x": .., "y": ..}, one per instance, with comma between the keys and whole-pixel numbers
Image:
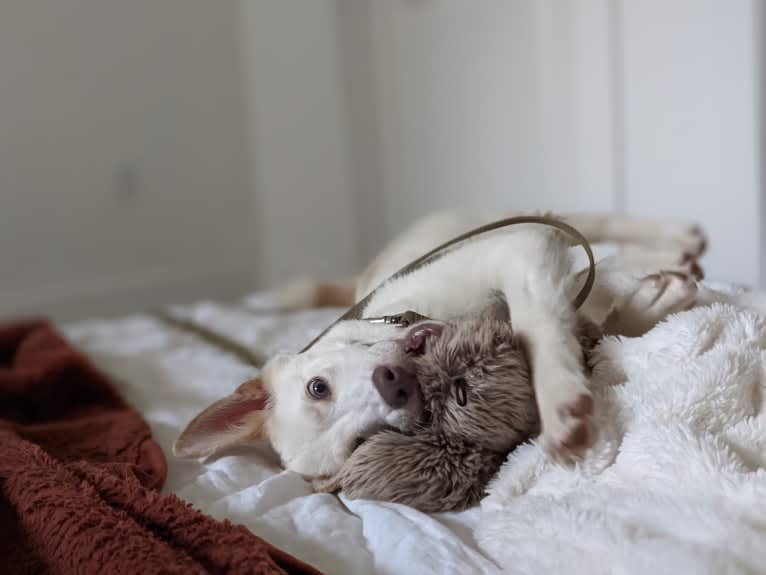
[
  {"x": 691, "y": 240},
  {"x": 656, "y": 297},
  {"x": 568, "y": 428},
  {"x": 689, "y": 265},
  {"x": 666, "y": 292}
]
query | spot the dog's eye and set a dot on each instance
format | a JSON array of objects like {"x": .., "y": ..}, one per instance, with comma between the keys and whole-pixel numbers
[
  {"x": 318, "y": 388},
  {"x": 461, "y": 391}
]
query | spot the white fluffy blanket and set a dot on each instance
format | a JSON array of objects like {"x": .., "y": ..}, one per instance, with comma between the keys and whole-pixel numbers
[{"x": 676, "y": 482}]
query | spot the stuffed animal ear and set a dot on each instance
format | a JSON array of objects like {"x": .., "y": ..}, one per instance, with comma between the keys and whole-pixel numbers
[{"x": 236, "y": 419}]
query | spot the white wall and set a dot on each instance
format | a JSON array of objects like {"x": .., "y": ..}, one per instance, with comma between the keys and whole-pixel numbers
[
  {"x": 496, "y": 104},
  {"x": 299, "y": 136},
  {"x": 123, "y": 178},
  {"x": 158, "y": 150},
  {"x": 692, "y": 123},
  {"x": 647, "y": 106}
]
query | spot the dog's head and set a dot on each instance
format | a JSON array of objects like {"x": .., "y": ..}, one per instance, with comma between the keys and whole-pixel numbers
[
  {"x": 479, "y": 404},
  {"x": 315, "y": 407}
]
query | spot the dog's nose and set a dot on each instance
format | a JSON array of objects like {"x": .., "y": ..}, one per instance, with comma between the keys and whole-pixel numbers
[{"x": 394, "y": 384}]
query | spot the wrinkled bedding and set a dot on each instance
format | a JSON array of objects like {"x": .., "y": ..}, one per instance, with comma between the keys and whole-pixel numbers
[
  {"x": 169, "y": 376},
  {"x": 676, "y": 483},
  {"x": 79, "y": 473}
]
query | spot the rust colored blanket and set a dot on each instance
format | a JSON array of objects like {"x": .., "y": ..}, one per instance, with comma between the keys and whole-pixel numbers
[{"x": 79, "y": 474}]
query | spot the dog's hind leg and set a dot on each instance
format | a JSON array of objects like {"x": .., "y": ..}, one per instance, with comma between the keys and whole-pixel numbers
[
  {"x": 656, "y": 297},
  {"x": 642, "y": 261},
  {"x": 624, "y": 304},
  {"x": 623, "y": 285},
  {"x": 623, "y": 230}
]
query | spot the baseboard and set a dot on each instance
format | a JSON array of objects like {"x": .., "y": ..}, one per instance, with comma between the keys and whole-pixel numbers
[{"x": 117, "y": 294}]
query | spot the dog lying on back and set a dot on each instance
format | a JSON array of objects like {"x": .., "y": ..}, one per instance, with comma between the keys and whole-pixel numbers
[
  {"x": 314, "y": 407},
  {"x": 478, "y": 405}
]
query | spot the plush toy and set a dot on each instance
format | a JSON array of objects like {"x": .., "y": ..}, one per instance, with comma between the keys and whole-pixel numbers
[{"x": 479, "y": 404}]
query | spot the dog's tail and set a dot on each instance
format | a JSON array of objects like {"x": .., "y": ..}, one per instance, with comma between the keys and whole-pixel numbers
[{"x": 306, "y": 293}]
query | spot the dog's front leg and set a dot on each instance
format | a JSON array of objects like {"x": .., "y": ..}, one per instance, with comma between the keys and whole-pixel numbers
[
  {"x": 563, "y": 398},
  {"x": 539, "y": 290}
]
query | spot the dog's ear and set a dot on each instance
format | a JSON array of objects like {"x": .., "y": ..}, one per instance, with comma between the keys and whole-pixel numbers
[{"x": 237, "y": 418}]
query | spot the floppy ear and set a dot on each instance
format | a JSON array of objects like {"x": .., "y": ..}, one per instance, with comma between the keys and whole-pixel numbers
[{"x": 235, "y": 419}]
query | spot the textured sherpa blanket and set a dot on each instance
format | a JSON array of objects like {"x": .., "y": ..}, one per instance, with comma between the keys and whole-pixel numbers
[
  {"x": 676, "y": 482},
  {"x": 79, "y": 472}
]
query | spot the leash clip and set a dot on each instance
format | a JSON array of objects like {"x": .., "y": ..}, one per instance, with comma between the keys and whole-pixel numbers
[
  {"x": 387, "y": 320},
  {"x": 404, "y": 319}
]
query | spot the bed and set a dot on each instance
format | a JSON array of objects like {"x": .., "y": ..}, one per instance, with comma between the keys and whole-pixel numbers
[{"x": 676, "y": 482}]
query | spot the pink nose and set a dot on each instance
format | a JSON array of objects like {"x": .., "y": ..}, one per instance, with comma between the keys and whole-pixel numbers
[{"x": 395, "y": 385}]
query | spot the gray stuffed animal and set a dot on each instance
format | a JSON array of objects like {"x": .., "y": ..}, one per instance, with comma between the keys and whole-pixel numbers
[{"x": 479, "y": 405}]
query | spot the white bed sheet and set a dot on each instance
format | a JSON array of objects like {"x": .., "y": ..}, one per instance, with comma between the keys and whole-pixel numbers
[
  {"x": 169, "y": 376},
  {"x": 675, "y": 483}
]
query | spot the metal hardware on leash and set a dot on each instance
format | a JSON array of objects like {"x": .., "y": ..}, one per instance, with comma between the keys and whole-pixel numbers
[
  {"x": 354, "y": 311},
  {"x": 404, "y": 319}
]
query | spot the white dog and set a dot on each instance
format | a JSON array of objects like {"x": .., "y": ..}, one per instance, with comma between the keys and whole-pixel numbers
[{"x": 316, "y": 406}]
